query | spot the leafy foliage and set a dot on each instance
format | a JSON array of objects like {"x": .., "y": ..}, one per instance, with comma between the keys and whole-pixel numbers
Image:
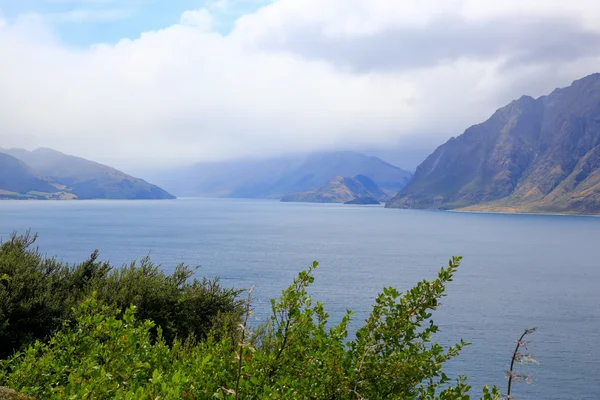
[
  {"x": 295, "y": 354},
  {"x": 37, "y": 295}
]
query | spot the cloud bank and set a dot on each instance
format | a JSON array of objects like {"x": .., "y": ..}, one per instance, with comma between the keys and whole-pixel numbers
[{"x": 295, "y": 75}]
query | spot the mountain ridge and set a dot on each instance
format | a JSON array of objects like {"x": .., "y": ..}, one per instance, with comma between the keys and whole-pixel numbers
[
  {"x": 532, "y": 155},
  {"x": 275, "y": 177},
  {"x": 19, "y": 181},
  {"x": 76, "y": 177}
]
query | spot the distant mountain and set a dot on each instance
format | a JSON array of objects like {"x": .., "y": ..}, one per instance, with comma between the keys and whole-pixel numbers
[
  {"x": 81, "y": 178},
  {"x": 245, "y": 178},
  {"x": 276, "y": 177},
  {"x": 341, "y": 190},
  {"x": 322, "y": 167},
  {"x": 533, "y": 155},
  {"x": 19, "y": 181}
]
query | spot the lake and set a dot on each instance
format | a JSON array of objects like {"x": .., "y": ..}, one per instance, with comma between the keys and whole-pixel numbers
[{"x": 518, "y": 271}]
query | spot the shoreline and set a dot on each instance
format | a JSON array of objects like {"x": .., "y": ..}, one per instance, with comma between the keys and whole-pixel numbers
[{"x": 458, "y": 210}]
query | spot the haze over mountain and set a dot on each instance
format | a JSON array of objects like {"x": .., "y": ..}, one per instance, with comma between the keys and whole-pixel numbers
[
  {"x": 274, "y": 178},
  {"x": 59, "y": 175},
  {"x": 342, "y": 190},
  {"x": 533, "y": 155}
]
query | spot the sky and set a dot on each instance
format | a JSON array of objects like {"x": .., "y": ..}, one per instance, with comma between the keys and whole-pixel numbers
[{"x": 155, "y": 83}]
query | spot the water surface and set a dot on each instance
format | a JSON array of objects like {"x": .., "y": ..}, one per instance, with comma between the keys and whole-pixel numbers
[{"x": 518, "y": 271}]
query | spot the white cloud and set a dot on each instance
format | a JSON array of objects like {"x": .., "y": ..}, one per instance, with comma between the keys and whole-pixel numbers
[{"x": 295, "y": 75}]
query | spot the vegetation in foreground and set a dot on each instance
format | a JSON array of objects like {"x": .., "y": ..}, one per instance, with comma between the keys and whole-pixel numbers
[
  {"x": 150, "y": 351},
  {"x": 39, "y": 295}
]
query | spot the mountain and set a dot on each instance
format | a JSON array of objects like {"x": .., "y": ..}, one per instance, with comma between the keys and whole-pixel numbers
[
  {"x": 322, "y": 167},
  {"x": 341, "y": 190},
  {"x": 19, "y": 181},
  {"x": 276, "y": 177},
  {"x": 245, "y": 178},
  {"x": 82, "y": 178},
  {"x": 533, "y": 155}
]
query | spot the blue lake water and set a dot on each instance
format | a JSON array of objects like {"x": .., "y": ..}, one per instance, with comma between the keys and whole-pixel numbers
[{"x": 518, "y": 271}]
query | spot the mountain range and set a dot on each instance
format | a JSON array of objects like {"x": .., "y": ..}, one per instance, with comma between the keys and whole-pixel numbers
[
  {"x": 277, "y": 177},
  {"x": 49, "y": 174},
  {"x": 533, "y": 155}
]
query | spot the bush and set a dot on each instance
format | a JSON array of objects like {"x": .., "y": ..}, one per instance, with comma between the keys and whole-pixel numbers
[
  {"x": 37, "y": 295},
  {"x": 293, "y": 355}
]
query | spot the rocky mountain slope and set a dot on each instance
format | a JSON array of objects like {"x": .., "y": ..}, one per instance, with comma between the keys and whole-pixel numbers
[
  {"x": 341, "y": 190},
  {"x": 75, "y": 177},
  {"x": 533, "y": 155}
]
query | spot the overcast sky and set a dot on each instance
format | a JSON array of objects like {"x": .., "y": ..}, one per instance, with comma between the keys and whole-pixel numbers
[{"x": 149, "y": 83}]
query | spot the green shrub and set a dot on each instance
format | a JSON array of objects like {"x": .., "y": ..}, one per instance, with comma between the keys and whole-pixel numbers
[
  {"x": 295, "y": 354},
  {"x": 37, "y": 294}
]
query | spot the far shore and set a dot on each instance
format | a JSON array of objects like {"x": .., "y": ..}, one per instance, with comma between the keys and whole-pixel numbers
[{"x": 516, "y": 212}]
